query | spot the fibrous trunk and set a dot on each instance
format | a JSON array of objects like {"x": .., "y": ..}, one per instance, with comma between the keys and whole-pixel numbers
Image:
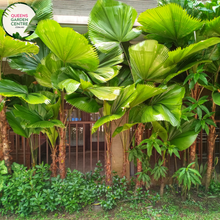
[
  {"x": 62, "y": 145},
  {"x": 108, "y": 176},
  {"x": 5, "y": 143},
  {"x": 53, "y": 166},
  {"x": 193, "y": 153},
  {"x": 125, "y": 161},
  {"x": 138, "y": 138},
  {"x": 162, "y": 180},
  {"x": 195, "y": 93},
  {"x": 62, "y": 154},
  {"x": 124, "y": 138},
  {"x": 1, "y": 143},
  {"x": 211, "y": 147}
]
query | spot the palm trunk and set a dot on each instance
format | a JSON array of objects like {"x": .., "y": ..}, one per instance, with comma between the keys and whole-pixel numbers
[
  {"x": 163, "y": 179},
  {"x": 32, "y": 151},
  {"x": 1, "y": 141},
  {"x": 124, "y": 138},
  {"x": 53, "y": 166},
  {"x": 4, "y": 144},
  {"x": 193, "y": 153},
  {"x": 211, "y": 147},
  {"x": 125, "y": 161},
  {"x": 62, "y": 145},
  {"x": 139, "y": 137},
  {"x": 195, "y": 95},
  {"x": 108, "y": 169},
  {"x": 6, "y": 148}
]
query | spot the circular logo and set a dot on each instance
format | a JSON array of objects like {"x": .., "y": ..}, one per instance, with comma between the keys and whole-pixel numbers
[{"x": 16, "y": 18}]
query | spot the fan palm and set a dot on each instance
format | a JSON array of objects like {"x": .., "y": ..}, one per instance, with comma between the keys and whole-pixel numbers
[
  {"x": 10, "y": 47},
  {"x": 181, "y": 32}
]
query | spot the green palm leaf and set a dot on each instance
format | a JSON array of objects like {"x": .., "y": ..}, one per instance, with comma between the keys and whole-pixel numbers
[
  {"x": 169, "y": 21},
  {"x": 83, "y": 102},
  {"x": 11, "y": 47},
  {"x": 105, "y": 93},
  {"x": 164, "y": 107},
  {"x": 69, "y": 46},
  {"x": 127, "y": 95},
  {"x": 9, "y": 88},
  {"x": 145, "y": 92},
  {"x": 211, "y": 28},
  {"x": 111, "y": 58},
  {"x": 48, "y": 66},
  {"x": 179, "y": 54},
  {"x": 15, "y": 124},
  {"x": 110, "y": 23},
  {"x": 184, "y": 137},
  {"x": 147, "y": 60},
  {"x": 28, "y": 63},
  {"x": 104, "y": 74},
  {"x": 106, "y": 119},
  {"x": 46, "y": 124},
  {"x": 44, "y": 10}
]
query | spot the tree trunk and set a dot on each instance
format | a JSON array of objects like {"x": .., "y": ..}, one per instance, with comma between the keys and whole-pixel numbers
[
  {"x": 162, "y": 180},
  {"x": 62, "y": 154},
  {"x": 139, "y": 137},
  {"x": 62, "y": 145},
  {"x": 1, "y": 141},
  {"x": 32, "y": 151},
  {"x": 211, "y": 147},
  {"x": 53, "y": 166},
  {"x": 194, "y": 93},
  {"x": 193, "y": 154},
  {"x": 125, "y": 161},
  {"x": 108, "y": 169},
  {"x": 6, "y": 148}
]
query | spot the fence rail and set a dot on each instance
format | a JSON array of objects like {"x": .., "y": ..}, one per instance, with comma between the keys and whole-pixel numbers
[{"x": 84, "y": 150}]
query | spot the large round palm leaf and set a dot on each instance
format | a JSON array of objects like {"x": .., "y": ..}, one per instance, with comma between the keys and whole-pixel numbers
[
  {"x": 110, "y": 23},
  {"x": 28, "y": 63},
  {"x": 211, "y": 28},
  {"x": 169, "y": 21},
  {"x": 68, "y": 45},
  {"x": 179, "y": 54},
  {"x": 11, "y": 47},
  {"x": 147, "y": 60}
]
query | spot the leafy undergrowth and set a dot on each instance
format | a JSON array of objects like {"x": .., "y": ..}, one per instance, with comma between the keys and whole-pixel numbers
[
  {"x": 32, "y": 194},
  {"x": 171, "y": 206}
]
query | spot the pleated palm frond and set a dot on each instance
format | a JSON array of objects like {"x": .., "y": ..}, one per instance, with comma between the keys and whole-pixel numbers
[
  {"x": 110, "y": 23},
  {"x": 169, "y": 21},
  {"x": 211, "y": 28},
  {"x": 69, "y": 46},
  {"x": 43, "y": 9},
  {"x": 147, "y": 60},
  {"x": 179, "y": 54},
  {"x": 11, "y": 47}
]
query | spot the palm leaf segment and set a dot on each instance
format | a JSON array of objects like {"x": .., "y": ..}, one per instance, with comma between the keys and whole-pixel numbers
[
  {"x": 211, "y": 28},
  {"x": 44, "y": 10},
  {"x": 128, "y": 98},
  {"x": 147, "y": 60},
  {"x": 28, "y": 63},
  {"x": 182, "y": 137},
  {"x": 69, "y": 46},
  {"x": 151, "y": 61},
  {"x": 110, "y": 23},
  {"x": 163, "y": 107},
  {"x": 11, "y": 47},
  {"x": 169, "y": 21}
]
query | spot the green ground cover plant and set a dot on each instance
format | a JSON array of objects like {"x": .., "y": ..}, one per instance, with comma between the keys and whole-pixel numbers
[{"x": 29, "y": 191}]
